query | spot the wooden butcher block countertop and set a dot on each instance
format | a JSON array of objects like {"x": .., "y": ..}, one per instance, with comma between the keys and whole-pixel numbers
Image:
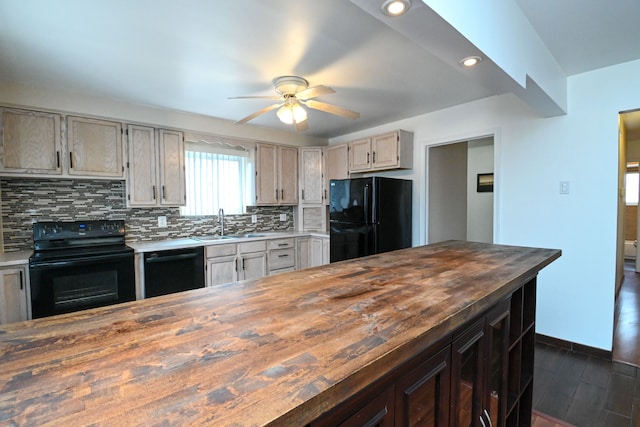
[{"x": 281, "y": 350}]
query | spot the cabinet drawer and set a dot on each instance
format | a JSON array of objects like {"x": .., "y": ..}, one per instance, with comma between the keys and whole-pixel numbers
[
  {"x": 282, "y": 258},
  {"x": 255, "y": 246},
  {"x": 282, "y": 243},
  {"x": 220, "y": 250}
]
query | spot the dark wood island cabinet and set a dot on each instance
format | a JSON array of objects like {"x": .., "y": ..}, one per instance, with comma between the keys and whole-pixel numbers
[{"x": 439, "y": 335}]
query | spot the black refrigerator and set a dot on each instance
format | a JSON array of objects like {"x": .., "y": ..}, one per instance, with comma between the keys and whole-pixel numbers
[{"x": 368, "y": 216}]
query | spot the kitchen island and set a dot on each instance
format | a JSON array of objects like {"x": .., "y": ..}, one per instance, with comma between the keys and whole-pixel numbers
[{"x": 293, "y": 349}]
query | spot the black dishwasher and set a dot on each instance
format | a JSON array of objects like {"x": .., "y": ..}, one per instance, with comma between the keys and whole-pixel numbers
[{"x": 176, "y": 270}]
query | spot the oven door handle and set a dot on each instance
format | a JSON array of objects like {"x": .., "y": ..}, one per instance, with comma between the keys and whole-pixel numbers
[
  {"x": 70, "y": 262},
  {"x": 169, "y": 258}
]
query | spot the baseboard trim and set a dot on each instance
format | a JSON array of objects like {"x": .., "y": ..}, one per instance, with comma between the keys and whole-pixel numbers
[{"x": 574, "y": 347}]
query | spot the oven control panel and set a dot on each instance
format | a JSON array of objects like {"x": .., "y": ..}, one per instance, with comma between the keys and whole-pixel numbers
[{"x": 77, "y": 229}]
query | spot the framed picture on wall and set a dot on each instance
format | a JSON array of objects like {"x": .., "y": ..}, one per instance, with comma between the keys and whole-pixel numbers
[{"x": 485, "y": 183}]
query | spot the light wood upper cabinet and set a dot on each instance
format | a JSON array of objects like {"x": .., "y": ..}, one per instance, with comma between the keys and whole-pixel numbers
[
  {"x": 288, "y": 175},
  {"x": 266, "y": 175},
  {"x": 276, "y": 175},
  {"x": 172, "y": 174},
  {"x": 141, "y": 166},
  {"x": 393, "y": 150},
  {"x": 336, "y": 161},
  {"x": 311, "y": 175},
  {"x": 30, "y": 142},
  {"x": 360, "y": 155},
  {"x": 95, "y": 147},
  {"x": 155, "y": 166},
  {"x": 13, "y": 295}
]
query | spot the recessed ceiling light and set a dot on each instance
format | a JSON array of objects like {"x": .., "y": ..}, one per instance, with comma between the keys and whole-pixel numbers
[
  {"x": 395, "y": 7},
  {"x": 470, "y": 61}
]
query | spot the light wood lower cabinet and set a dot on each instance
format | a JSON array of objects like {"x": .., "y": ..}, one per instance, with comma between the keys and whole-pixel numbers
[
  {"x": 480, "y": 375},
  {"x": 312, "y": 251},
  {"x": 13, "y": 295},
  {"x": 236, "y": 261},
  {"x": 281, "y": 255}
]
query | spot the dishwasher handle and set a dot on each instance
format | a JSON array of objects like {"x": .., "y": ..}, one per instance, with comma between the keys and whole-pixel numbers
[{"x": 154, "y": 258}]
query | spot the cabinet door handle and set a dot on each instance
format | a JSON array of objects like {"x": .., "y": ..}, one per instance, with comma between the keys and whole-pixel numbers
[
  {"x": 58, "y": 159},
  {"x": 21, "y": 281},
  {"x": 303, "y": 194},
  {"x": 236, "y": 265},
  {"x": 482, "y": 421},
  {"x": 281, "y": 194},
  {"x": 242, "y": 264},
  {"x": 374, "y": 157},
  {"x": 283, "y": 256},
  {"x": 164, "y": 196},
  {"x": 276, "y": 194},
  {"x": 325, "y": 194},
  {"x": 70, "y": 160},
  {"x": 486, "y": 414},
  {"x": 283, "y": 244},
  {"x": 153, "y": 189},
  {"x": 367, "y": 158}
]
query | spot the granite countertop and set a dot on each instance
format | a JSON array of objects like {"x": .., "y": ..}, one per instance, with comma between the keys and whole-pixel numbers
[
  {"x": 167, "y": 244},
  {"x": 281, "y": 349},
  {"x": 9, "y": 259}
]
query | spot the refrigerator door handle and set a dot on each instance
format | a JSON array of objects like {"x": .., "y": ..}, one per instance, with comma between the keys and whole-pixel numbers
[{"x": 367, "y": 216}]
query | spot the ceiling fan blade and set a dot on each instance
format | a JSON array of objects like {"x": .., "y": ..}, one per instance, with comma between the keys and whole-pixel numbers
[
  {"x": 333, "y": 109},
  {"x": 302, "y": 126},
  {"x": 314, "y": 91},
  {"x": 255, "y": 97},
  {"x": 257, "y": 113}
]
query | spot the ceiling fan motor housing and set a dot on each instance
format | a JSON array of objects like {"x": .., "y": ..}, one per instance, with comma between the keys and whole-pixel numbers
[{"x": 288, "y": 85}]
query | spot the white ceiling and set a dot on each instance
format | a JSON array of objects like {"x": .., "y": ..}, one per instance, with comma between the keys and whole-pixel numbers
[{"x": 193, "y": 55}]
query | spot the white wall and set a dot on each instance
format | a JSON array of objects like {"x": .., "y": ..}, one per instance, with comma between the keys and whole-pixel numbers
[
  {"x": 479, "y": 205},
  {"x": 532, "y": 155}
]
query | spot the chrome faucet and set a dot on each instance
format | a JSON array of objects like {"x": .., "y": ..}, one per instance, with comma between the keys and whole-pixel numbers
[{"x": 221, "y": 219}]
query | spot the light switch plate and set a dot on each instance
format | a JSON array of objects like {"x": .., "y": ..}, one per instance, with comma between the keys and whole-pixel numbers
[
  {"x": 564, "y": 187},
  {"x": 254, "y": 218},
  {"x": 283, "y": 217},
  {"x": 162, "y": 221}
]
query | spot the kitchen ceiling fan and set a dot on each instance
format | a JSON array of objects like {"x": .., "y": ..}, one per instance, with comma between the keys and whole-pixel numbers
[{"x": 294, "y": 92}]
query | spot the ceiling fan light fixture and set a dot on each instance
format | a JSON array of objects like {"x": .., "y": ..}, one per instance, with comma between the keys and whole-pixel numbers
[
  {"x": 292, "y": 113},
  {"x": 396, "y": 7},
  {"x": 470, "y": 61}
]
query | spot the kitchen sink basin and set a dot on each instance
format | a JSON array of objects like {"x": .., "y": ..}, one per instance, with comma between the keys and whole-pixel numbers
[
  {"x": 246, "y": 235},
  {"x": 209, "y": 238}
]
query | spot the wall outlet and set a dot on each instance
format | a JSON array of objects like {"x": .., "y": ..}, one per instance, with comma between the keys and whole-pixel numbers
[
  {"x": 283, "y": 217},
  {"x": 162, "y": 221},
  {"x": 254, "y": 218},
  {"x": 565, "y": 187}
]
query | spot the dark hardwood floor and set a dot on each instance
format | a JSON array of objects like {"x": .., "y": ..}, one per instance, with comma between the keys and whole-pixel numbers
[
  {"x": 626, "y": 336},
  {"x": 589, "y": 391}
]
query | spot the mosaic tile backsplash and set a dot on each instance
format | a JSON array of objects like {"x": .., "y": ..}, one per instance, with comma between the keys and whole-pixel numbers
[{"x": 28, "y": 200}]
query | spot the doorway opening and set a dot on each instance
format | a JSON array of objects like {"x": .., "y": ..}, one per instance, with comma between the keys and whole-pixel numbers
[
  {"x": 460, "y": 191},
  {"x": 626, "y": 334}
]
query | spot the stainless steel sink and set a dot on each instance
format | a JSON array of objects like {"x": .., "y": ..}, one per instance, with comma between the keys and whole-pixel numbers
[
  {"x": 254, "y": 235},
  {"x": 209, "y": 238},
  {"x": 246, "y": 235}
]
